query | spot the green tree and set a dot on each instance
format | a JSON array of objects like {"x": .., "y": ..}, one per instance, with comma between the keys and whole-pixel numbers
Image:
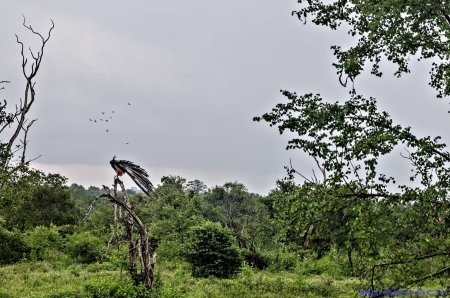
[
  {"x": 347, "y": 141},
  {"x": 240, "y": 211},
  {"x": 197, "y": 185},
  {"x": 44, "y": 242},
  {"x": 211, "y": 250},
  {"x": 170, "y": 214},
  {"x": 350, "y": 138},
  {"x": 305, "y": 220},
  {"x": 36, "y": 198},
  {"x": 393, "y": 29},
  {"x": 12, "y": 245},
  {"x": 245, "y": 215}
]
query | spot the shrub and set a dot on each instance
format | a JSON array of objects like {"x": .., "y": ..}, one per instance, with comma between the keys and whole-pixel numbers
[
  {"x": 211, "y": 250},
  {"x": 280, "y": 259},
  {"x": 43, "y": 242},
  {"x": 84, "y": 247},
  {"x": 12, "y": 247}
]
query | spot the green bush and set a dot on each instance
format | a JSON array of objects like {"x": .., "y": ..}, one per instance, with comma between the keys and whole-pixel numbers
[
  {"x": 332, "y": 264},
  {"x": 280, "y": 259},
  {"x": 211, "y": 251},
  {"x": 44, "y": 242},
  {"x": 84, "y": 247},
  {"x": 12, "y": 247}
]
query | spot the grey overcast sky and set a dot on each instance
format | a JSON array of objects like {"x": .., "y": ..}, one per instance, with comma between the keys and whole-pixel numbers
[{"x": 195, "y": 73}]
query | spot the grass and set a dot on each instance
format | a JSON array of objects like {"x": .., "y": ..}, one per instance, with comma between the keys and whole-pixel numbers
[
  {"x": 55, "y": 279},
  {"x": 177, "y": 282},
  {"x": 39, "y": 278}
]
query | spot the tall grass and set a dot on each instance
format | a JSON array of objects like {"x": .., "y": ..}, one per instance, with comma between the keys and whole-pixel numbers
[{"x": 305, "y": 278}]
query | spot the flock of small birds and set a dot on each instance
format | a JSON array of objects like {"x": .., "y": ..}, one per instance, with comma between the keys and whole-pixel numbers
[{"x": 106, "y": 120}]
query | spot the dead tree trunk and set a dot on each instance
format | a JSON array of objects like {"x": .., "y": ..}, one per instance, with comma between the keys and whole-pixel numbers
[
  {"x": 16, "y": 143},
  {"x": 129, "y": 225},
  {"x": 147, "y": 255}
]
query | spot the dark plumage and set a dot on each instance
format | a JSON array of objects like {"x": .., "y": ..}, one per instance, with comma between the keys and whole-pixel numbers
[{"x": 139, "y": 175}]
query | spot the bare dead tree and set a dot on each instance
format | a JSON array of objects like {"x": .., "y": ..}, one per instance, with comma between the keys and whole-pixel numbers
[
  {"x": 17, "y": 120},
  {"x": 139, "y": 248},
  {"x": 115, "y": 237}
]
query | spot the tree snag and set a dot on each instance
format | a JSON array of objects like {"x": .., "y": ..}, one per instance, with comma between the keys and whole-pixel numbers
[
  {"x": 137, "y": 248},
  {"x": 19, "y": 116}
]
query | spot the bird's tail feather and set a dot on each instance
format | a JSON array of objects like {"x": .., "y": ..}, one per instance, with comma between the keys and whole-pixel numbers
[{"x": 139, "y": 176}]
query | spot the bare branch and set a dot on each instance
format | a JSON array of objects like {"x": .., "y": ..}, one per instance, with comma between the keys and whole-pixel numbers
[
  {"x": 29, "y": 27},
  {"x": 290, "y": 162},
  {"x": 29, "y": 96},
  {"x": 345, "y": 83},
  {"x": 320, "y": 167},
  {"x": 115, "y": 234},
  {"x": 432, "y": 275},
  {"x": 419, "y": 169},
  {"x": 22, "y": 160},
  {"x": 412, "y": 260},
  {"x": 92, "y": 204},
  {"x": 315, "y": 178},
  {"x": 33, "y": 159}
]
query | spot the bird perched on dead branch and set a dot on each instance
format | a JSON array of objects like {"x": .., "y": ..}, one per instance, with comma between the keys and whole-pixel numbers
[{"x": 139, "y": 175}]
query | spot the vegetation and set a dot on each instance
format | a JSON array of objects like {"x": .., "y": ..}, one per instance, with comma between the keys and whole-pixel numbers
[
  {"x": 329, "y": 236},
  {"x": 211, "y": 250}
]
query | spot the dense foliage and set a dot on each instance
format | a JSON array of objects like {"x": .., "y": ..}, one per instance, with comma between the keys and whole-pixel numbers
[
  {"x": 354, "y": 199},
  {"x": 350, "y": 227},
  {"x": 212, "y": 252}
]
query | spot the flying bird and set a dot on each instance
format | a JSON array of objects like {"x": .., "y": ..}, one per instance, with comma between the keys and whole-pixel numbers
[
  {"x": 101, "y": 119},
  {"x": 113, "y": 111},
  {"x": 90, "y": 119},
  {"x": 95, "y": 120},
  {"x": 129, "y": 104},
  {"x": 106, "y": 120},
  {"x": 107, "y": 130},
  {"x": 139, "y": 175},
  {"x": 103, "y": 112}
]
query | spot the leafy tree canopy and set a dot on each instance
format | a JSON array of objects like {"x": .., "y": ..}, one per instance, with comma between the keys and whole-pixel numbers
[
  {"x": 35, "y": 198},
  {"x": 347, "y": 140},
  {"x": 393, "y": 28}
]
